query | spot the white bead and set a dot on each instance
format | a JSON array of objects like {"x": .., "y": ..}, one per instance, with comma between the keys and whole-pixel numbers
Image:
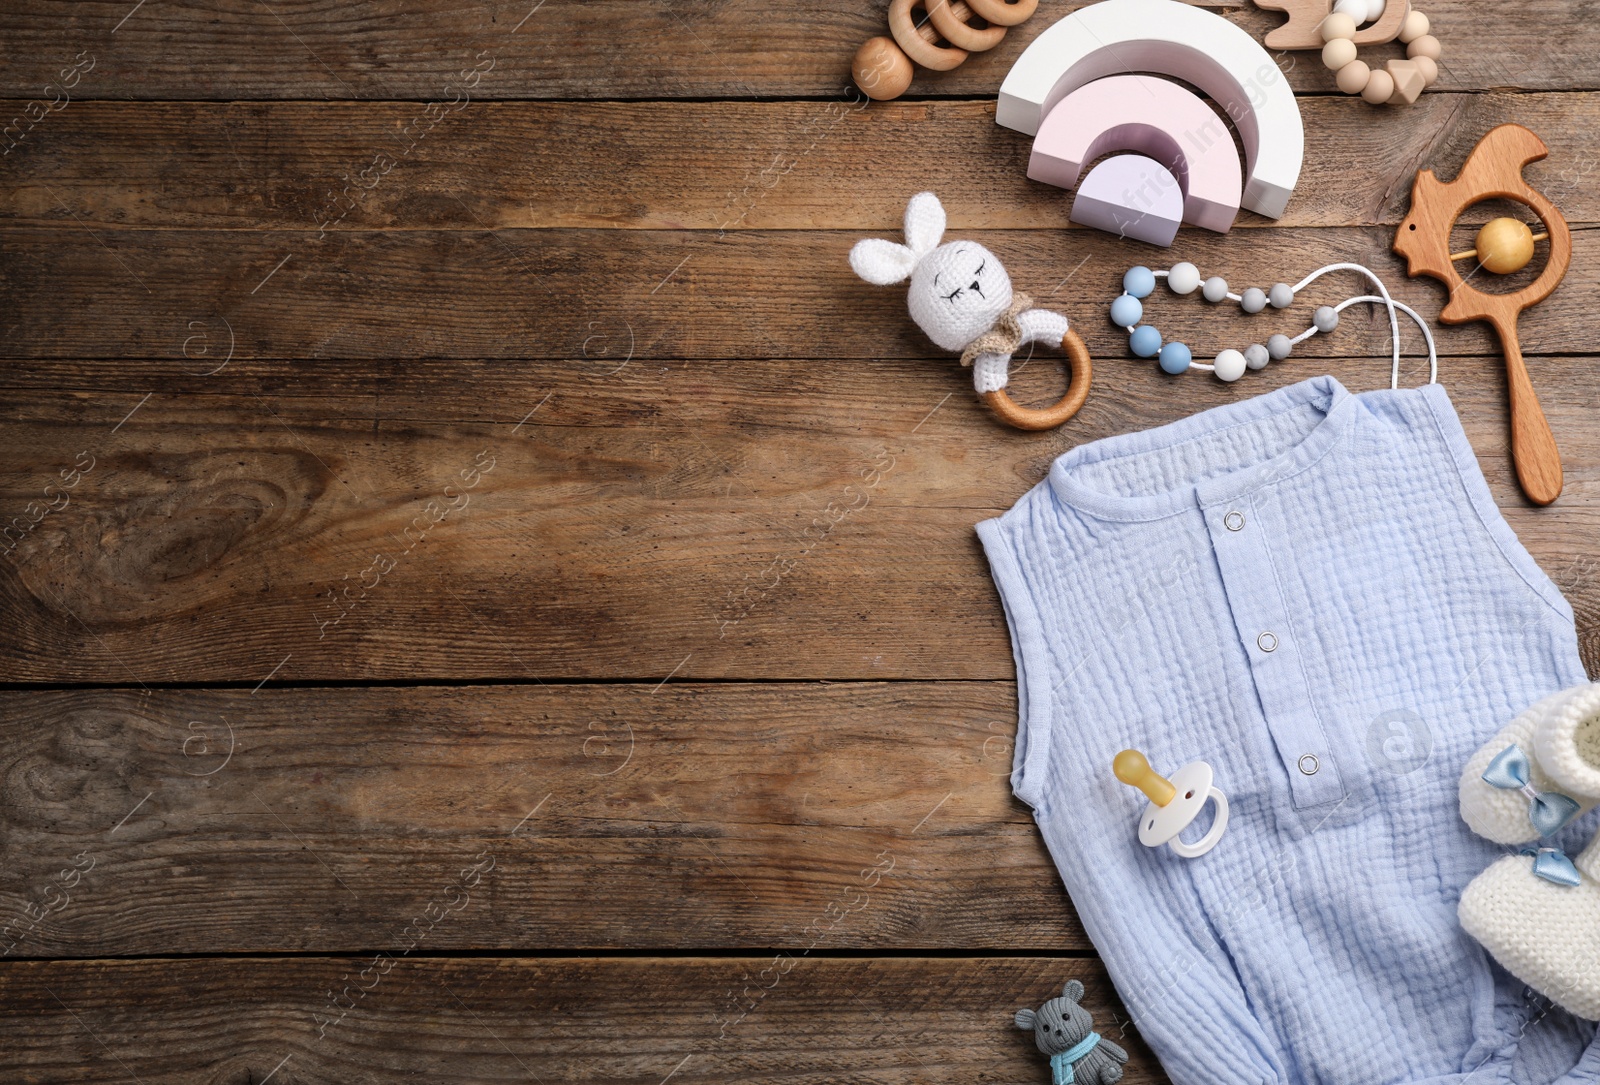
[
  {"x": 1356, "y": 9},
  {"x": 1184, "y": 278},
  {"x": 1230, "y": 365},
  {"x": 1216, "y": 288},
  {"x": 1375, "y": 10}
]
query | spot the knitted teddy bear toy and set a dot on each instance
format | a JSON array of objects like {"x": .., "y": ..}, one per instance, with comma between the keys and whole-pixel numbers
[
  {"x": 1064, "y": 1030},
  {"x": 961, "y": 296}
]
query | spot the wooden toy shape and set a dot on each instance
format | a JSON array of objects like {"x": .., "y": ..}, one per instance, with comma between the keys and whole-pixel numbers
[
  {"x": 883, "y": 67},
  {"x": 1494, "y": 170},
  {"x": 1305, "y": 16},
  {"x": 1131, "y": 196},
  {"x": 1166, "y": 37},
  {"x": 1041, "y": 418},
  {"x": 1153, "y": 117}
]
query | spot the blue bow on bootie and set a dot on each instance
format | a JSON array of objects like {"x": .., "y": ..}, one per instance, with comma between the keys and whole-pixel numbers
[
  {"x": 1548, "y": 810},
  {"x": 1552, "y": 865}
]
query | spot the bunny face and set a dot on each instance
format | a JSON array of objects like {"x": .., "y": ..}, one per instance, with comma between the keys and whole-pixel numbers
[
  {"x": 958, "y": 290},
  {"x": 957, "y": 293}
]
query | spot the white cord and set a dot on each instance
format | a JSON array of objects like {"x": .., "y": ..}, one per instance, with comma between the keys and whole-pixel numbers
[{"x": 1394, "y": 321}]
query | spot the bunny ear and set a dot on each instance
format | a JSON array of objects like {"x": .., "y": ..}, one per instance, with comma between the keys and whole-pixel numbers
[
  {"x": 924, "y": 222},
  {"x": 882, "y": 262}
]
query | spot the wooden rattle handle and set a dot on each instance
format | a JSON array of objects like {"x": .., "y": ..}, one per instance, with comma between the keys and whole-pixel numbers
[
  {"x": 1533, "y": 446},
  {"x": 1033, "y": 418}
]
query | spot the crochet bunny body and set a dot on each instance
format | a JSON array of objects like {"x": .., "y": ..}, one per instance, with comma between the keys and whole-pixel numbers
[{"x": 960, "y": 294}]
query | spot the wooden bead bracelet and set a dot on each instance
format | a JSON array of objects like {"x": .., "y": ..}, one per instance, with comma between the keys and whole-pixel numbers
[
  {"x": 883, "y": 66},
  {"x": 1398, "y": 82}
]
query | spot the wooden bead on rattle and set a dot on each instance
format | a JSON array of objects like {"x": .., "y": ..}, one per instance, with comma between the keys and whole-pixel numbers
[
  {"x": 1174, "y": 803},
  {"x": 1503, "y": 245}
]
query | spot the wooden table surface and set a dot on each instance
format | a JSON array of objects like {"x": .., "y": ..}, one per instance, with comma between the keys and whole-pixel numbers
[{"x": 449, "y": 636}]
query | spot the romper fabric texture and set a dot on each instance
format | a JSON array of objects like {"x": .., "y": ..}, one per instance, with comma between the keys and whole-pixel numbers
[{"x": 1144, "y": 582}]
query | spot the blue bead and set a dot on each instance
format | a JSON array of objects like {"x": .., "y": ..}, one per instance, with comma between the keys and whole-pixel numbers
[
  {"x": 1145, "y": 341},
  {"x": 1175, "y": 358},
  {"x": 1139, "y": 281},
  {"x": 1126, "y": 311}
]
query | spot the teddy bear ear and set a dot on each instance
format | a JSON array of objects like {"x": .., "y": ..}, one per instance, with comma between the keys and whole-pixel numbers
[
  {"x": 924, "y": 222},
  {"x": 1025, "y": 1020},
  {"x": 1073, "y": 990},
  {"x": 882, "y": 262}
]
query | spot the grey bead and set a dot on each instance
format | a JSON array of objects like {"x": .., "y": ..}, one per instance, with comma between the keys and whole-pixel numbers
[
  {"x": 1216, "y": 288},
  {"x": 1281, "y": 295},
  {"x": 1256, "y": 356},
  {"x": 1279, "y": 347},
  {"x": 1324, "y": 319},
  {"x": 1253, "y": 300}
]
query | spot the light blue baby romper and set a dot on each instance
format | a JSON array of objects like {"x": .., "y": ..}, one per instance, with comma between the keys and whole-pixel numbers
[{"x": 1314, "y": 592}]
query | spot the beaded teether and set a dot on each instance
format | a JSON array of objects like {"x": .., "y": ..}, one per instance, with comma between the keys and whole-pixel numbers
[
  {"x": 1229, "y": 365},
  {"x": 1174, "y": 803},
  {"x": 1398, "y": 82}
]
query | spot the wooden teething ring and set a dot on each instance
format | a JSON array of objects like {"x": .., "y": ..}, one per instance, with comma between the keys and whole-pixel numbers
[
  {"x": 1037, "y": 418},
  {"x": 917, "y": 47},
  {"x": 1494, "y": 170},
  {"x": 883, "y": 67},
  {"x": 1001, "y": 13}
]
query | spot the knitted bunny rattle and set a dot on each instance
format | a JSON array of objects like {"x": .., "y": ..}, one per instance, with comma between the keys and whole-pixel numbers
[{"x": 961, "y": 296}]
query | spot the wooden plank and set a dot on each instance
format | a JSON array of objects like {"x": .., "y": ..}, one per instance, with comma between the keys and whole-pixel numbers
[
  {"x": 661, "y": 815},
  {"x": 752, "y": 165},
  {"x": 73, "y": 292},
  {"x": 607, "y": 1022},
  {"x": 654, "y": 49},
  {"x": 743, "y": 520}
]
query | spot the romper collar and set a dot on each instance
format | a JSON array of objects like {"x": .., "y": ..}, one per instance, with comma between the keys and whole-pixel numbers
[{"x": 1325, "y": 393}]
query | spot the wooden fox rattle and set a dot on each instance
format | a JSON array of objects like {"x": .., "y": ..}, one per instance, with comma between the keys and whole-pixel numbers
[{"x": 1494, "y": 170}]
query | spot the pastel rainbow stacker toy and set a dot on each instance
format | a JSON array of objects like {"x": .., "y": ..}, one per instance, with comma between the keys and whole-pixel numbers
[
  {"x": 1092, "y": 85},
  {"x": 1174, "y": 803}
]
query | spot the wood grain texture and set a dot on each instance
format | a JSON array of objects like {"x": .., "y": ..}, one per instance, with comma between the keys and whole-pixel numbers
[
  {"x": 625, "y": 49},
  {"x": 673, "y": 817},
  {"x": 751, "y": 165},
  {"x": 720, "y": 518},
  {"x": 560, "y": 295},
  {"x": 606, "y": 1022}
]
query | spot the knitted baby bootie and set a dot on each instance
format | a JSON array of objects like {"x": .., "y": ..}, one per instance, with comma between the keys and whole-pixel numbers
[
  {"x": 1539, "y": 773},
  {"x": 1538, "y": 914}
]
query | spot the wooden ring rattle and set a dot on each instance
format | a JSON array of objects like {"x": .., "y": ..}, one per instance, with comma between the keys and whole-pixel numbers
[
  {"x": 1038, "y": 418},
  {"x": 883, "y": 67},
  {"x": 1494, "y": 170}
]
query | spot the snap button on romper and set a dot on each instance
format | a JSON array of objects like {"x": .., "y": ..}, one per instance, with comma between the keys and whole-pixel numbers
[{"x": 1314, "y": 592}]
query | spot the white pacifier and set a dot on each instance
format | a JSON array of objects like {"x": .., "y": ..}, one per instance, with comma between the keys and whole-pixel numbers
[{"x": 1174, "y": 803}]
